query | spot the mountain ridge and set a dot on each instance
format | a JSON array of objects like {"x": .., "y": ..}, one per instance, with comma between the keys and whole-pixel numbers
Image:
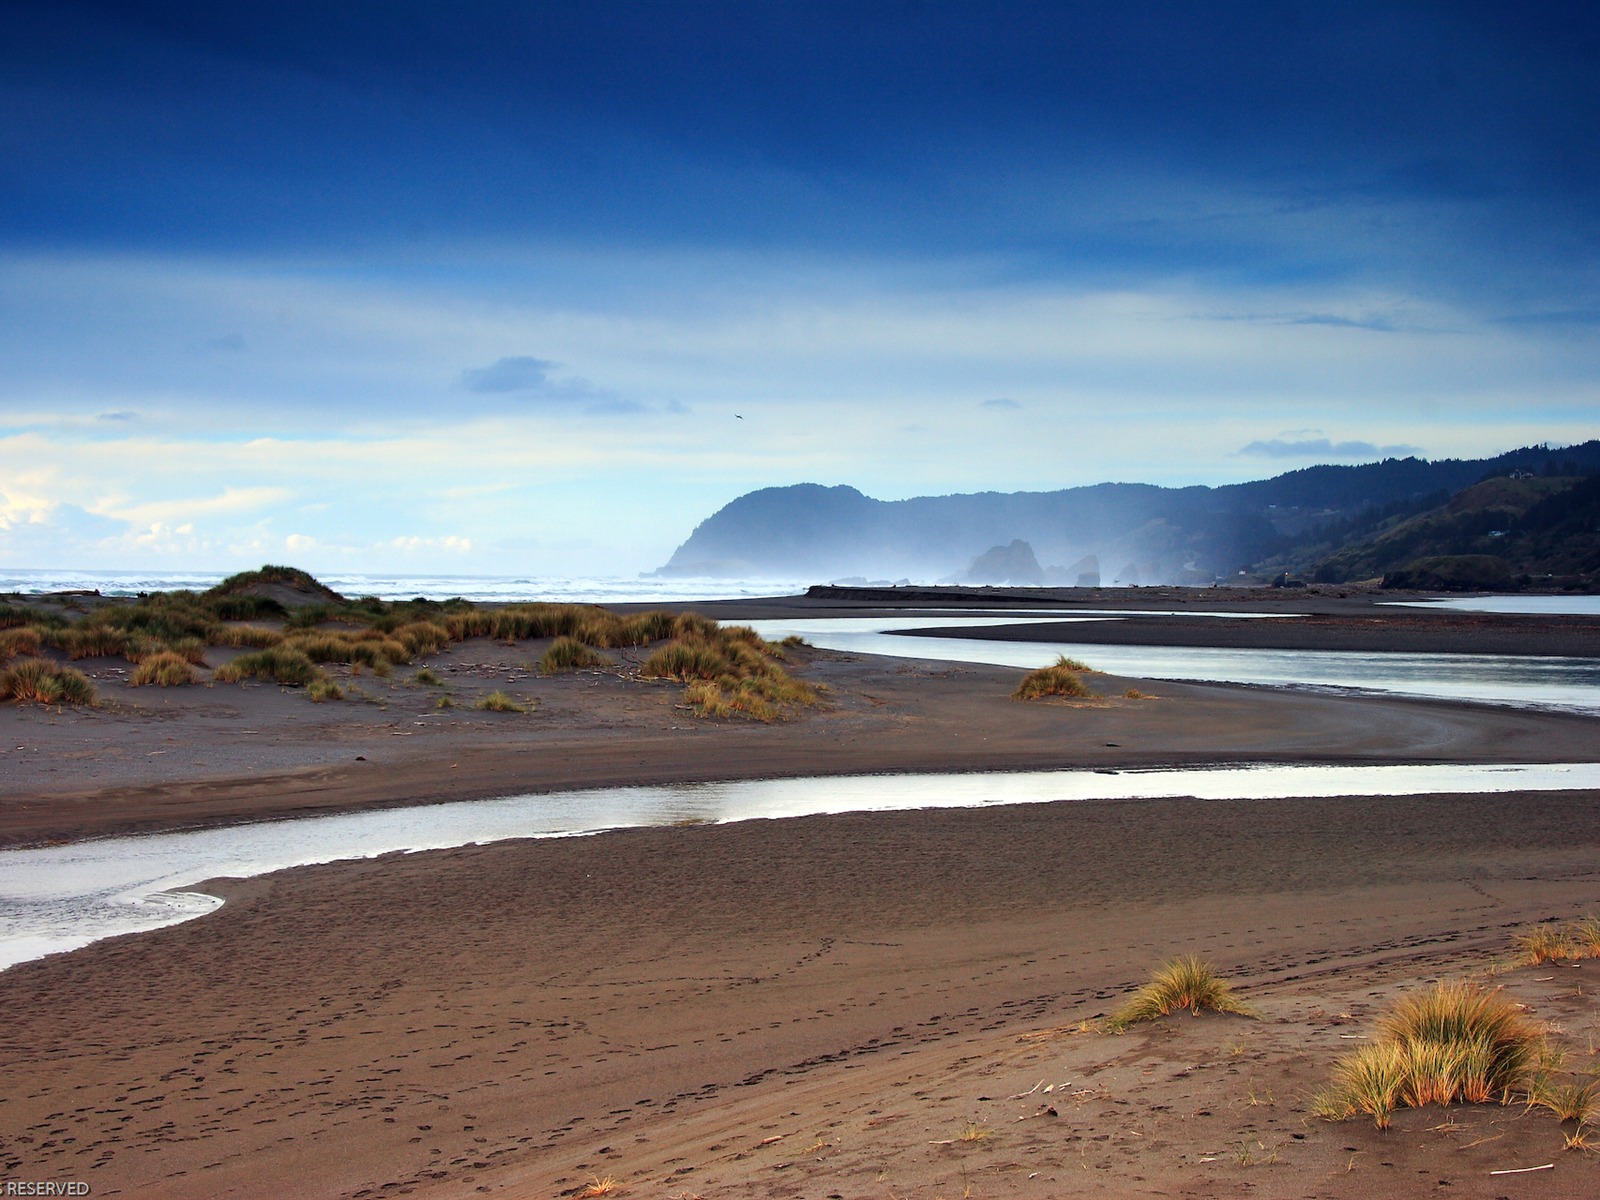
[{"x": 1139, "y": 532}]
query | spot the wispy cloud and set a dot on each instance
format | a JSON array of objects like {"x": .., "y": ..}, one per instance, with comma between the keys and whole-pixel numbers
[
  {"x": 528, "y": 378},
  {"x": 229, "y": 500},
  {"x": 1323, "y": 448},
  {"x": 1002, "y": 403},
  {"x": 1373, "y": 322},
  {"x": 520, "y": 373},
  {"x": 1566, "y": 316}
]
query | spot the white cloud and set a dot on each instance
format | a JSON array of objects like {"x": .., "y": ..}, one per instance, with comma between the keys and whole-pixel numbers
[
  {"x": 341, "y": 413},
  {"x": 230, "y": 500},
  {"x": 450, "y": 544}
]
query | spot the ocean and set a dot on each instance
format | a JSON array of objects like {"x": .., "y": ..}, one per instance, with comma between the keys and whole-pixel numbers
[{"x": 479, "y": 588}]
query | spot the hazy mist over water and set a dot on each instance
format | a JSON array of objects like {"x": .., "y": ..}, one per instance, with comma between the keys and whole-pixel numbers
[{"x": 597, "y": 589}]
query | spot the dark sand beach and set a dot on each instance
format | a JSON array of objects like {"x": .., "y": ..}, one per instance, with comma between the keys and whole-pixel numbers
[{"x": 840, "y": 1006}]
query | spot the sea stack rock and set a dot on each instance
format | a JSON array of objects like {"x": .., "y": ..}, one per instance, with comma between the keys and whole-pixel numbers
[{"x": 1013, "y": 564}]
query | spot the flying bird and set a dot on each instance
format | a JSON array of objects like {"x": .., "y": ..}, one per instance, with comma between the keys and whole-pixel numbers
[{"x": 738, "y": 416}]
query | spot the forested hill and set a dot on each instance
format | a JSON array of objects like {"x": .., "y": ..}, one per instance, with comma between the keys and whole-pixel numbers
[{"x": 1116, "y": 532}]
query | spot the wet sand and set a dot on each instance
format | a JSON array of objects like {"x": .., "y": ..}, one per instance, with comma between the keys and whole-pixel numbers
[
  {"x": 811, "y": 1007},
  {"x": 816, "y": 1007},
  {"x": 154, "y": 758},
  {"x": 1364, "y": 620}
]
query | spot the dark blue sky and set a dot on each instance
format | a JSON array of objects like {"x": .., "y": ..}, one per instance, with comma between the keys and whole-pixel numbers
[
  {"x": 1090, "y": 136},
  {"x": 1097, "y": 173}
]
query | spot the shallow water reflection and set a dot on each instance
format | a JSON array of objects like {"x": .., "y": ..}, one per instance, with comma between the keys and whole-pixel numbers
[
  {"x": 1521, "y": 681},
  {"x": 1585, "y": 606},
  {"x": 59, "y": 898}
]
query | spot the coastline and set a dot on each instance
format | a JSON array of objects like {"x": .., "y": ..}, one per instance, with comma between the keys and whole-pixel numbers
[
  {"x": 161, "y": 758},
  {"x": 781, "y": 1008},
  {"x": 268, "y": 754}
]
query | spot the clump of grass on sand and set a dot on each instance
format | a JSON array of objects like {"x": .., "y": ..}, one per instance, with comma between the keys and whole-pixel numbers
[
  {"x": 1585, "y": 936},
  {"x": 1061, "y": 678},
  {"x": 1552, "y": 941},
  {"x": 368, "y": 648},
  {"x": 19, "y": 642},
  {"x": 323, "y": 689},
  {"x": 498, "y": 701},
  {"x": 1451, "y": 1042},
  {"x": 569, "y": 654},
  {"x": 92, "y": 641},
  {"x": 1183, "y": 983},
  {"x": 1544, "y": 943},
  {"x": 587, "y": 623},
  {"x": 256, "y": 637},
  {"x": 190, "y": 649},
  {"x": 11, "y": 616},
  {"x": 1571, "y": 1101},
  {"x": 729, "y": 671},
  {"x": 164, "y": 670},
  {"x": 40, "y": 680},
  {"x": 286, "y": 664}
]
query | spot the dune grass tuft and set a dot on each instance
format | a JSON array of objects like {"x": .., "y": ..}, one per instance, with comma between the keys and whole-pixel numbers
[
  {"x": 569, "y": 654},
  {"x": 12, "y": 615},
  {"x": 498, "y": 701},
  {"x": 163, "y": 670},
  {"x": 587, "y": 623},
  {"x": 190, "y": 649},
  {"x": 286, "y": 664},
  {"x": 85, "y": 640},
  {"x": 729, "y": 698},
  {"x": 256, "y": 637},
  {"x": 729, "y": 670},
  {"x": 1585, "y": 935},
  {"x": 368, "y": 648},
  {"x": 1572, "y": 1102},
  {"x": 244, "y": 608},
  {"x": 323, "y": 689},
  {"x": 421, "y": 638},
  {"x": 1369, "y": 1081},
  {"x": 1550, "y": 941},
  {"x": 1060, "y": 678},
  {"x": 685, "y": 661},
  {"x": 1547, "y": 942},
  {"x": 18, "y": 642},
  {"x": 1448, "y": 1043},
  {"x": 1183, "y": 983},
  {"x": 41, "y": 680}
]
